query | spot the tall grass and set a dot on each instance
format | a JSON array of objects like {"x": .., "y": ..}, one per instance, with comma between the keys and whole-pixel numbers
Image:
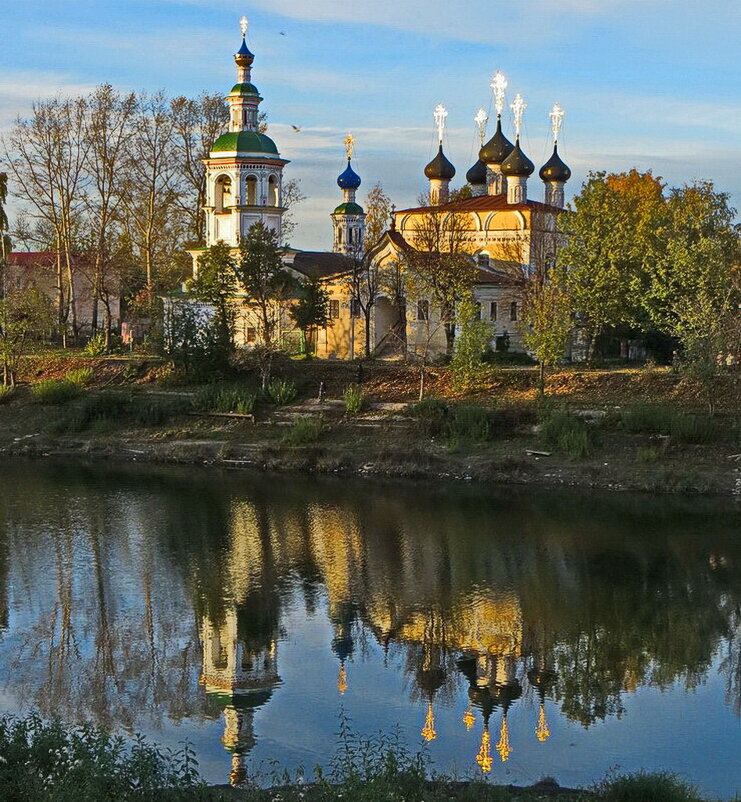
[
  {"x": 682, "y": 427},
  {"x": 113, "y": 408},
  {"x": 355, "y": 400},
  {"x": 80, "y": 376},
  {"x": 55, "y": 391},
  {"x": 304, "y": 431},
  {"x": 469, "y": 422},
  {"x": 465, "y": 421},
  {"x": 644, "y": 786},
  {"x": 225, "y": 398},
  {"x": 564, "y": 431},
  {"x": 281, "y": 391}
]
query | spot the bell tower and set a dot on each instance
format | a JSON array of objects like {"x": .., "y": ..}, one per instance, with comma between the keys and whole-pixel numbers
[
  {"x": 244, "y": 171},
  {"x": 348, "y": 219}
]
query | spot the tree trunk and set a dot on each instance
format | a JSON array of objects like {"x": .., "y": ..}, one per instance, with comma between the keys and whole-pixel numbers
[
  {"x": 449, "y": 339},
  {"x": 541, "y": 379},
  {"x": 422, "y": 382},
  {"x": 367, "y": 313}
]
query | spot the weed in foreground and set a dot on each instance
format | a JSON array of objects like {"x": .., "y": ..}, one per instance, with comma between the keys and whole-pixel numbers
[
  {"x": 55, "y": 391},
  {"x": 643, "y": 786},
  {"x": 282, "y": 391},
  {"x": 225, "y": 398},
  {"x": 354, "y": 399},
  {"x": 303, "y": 431},
  {"x": 80, "y": 376}
]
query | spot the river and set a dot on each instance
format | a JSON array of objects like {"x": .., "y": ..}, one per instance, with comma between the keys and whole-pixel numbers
[{"x": 519, "y": 632}]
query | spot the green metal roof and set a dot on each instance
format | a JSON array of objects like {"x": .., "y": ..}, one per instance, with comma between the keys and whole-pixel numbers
[
  {"x": 245, "y": 142},
  {"x": 245, "y": 89},
  {"x": 349, "y": 208}
]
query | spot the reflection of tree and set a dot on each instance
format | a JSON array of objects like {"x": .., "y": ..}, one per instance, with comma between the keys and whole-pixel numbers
[{"x": 588, "y": 602}]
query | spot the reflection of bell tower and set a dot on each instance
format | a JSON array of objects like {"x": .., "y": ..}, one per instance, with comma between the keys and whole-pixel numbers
[
  {"x": 342, "y": 643},
  {"x": 541, "y": 679},
  {"x": 240, "y": 673}
]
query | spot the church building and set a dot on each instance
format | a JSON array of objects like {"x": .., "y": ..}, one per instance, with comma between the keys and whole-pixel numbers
[{"x": 499, "y": 228}]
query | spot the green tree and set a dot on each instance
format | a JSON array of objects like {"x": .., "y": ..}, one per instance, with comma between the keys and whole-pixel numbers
[
  {"x": 25, "y": 316},
  {"x": 310, "y": 311},
  {"x": 214, "y": 284},
  {"x": 474, "y": 337},
  {"x": 611, "y": 235}
]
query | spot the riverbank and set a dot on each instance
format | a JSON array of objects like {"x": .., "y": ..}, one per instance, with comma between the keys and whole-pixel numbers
[{"x": 602, "y": 429}]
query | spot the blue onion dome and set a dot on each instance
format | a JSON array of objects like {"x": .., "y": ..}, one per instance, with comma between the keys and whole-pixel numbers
[
  {"x": 555, "y": 169},
  {"x": 243, "y": 56},
  {"x": 476, "y": 176},
  {"x": 517, "y": 163},
  {"x": 496, "y": 150},
  {"x": 349, "y": 179},
  {"x": 440, "y": 167}
]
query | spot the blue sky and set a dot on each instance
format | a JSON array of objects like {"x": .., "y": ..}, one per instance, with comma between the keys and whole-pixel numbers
[{"x": 645, "y": 83}]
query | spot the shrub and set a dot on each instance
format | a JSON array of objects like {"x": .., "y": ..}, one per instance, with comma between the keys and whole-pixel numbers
[
  {"x": 648, "y": 455},
  {"x": 564, "y": 431},
  {"x": 643, "y": 786},
  {"x": 514, "y": 358},
  {"x": 303, "y": 431},
  {"x": 432, "y": 415},
  {"x": 55, "y": 391},
  {"x": 469, "y": 422},
  {"x": 95, "y": 345},
  {"x": 44, "y": 761},
  {"x": 81, "y": 376},
  {"x": 6, "y": 393},
  {"x": 96, "y": 410},
  {"x": 647, "y": 419},
  {"x": 281, "y": 391},
  {"x": 354, "y": 399},
  {"x": 225, "y": 398},
  {"x": 693, "y": 429}
]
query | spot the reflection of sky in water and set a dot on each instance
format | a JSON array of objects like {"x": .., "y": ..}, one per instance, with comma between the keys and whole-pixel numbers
[{"x": 161, "y": 553}]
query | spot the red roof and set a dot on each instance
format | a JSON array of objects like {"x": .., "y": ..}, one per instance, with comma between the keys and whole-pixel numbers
[
  {"x": 32, "y": 258},
  {"x": 485, "y": 203}
]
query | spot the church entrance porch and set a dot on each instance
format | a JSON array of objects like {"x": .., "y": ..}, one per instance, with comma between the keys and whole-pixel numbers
[{"x": 389, "y": 329}]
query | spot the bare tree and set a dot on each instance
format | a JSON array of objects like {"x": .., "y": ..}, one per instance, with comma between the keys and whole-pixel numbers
[
  {"x": 46, "y": 155},
  {"x": 108, "y": 127},
  {"x": 198, "y": 122},
  {"x": 438, "y": 265},
  {"x": 291, "y": 197},
  {"x": 149, "y": 194}
]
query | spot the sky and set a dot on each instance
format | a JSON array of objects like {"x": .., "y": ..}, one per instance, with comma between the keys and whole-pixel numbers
[{"x": 652, "y": 84}]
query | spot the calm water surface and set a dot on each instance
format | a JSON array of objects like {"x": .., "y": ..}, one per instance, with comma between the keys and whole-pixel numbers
[{"x": 521, "y": 633}]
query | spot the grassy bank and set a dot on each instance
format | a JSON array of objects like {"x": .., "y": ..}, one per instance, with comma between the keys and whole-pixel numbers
[
  {"x": 41, "y": 760},
  {"x": 618, "y": 429}
]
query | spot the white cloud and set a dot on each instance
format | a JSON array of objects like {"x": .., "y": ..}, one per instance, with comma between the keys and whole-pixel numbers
[{"x": 19, "y": 89}]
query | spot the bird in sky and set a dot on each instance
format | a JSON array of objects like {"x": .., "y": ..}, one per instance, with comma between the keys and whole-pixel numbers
[{"x": 296, "y": 128}]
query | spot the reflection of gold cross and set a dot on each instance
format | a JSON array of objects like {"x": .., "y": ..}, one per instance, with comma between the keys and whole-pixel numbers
[
  {"x": 349, "y": 145},
  {"x": 243, "y": 23}
]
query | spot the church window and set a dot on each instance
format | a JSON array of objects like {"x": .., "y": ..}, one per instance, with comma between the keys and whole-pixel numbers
[
  {"x": 251, "y": 190},
  {"x": 222, "y": 194},
  {"x": 273, "y": 191},
  {"x": 355, "y": 309},
  {"x": 493, "y": 310},
  {"x": 423, "y": 310},
  {"x": 333, "y": 309},
  {"x": 251, "y": 334},
  {"x": 513, "y": 310},
  {"x": 483, "y": 260}
]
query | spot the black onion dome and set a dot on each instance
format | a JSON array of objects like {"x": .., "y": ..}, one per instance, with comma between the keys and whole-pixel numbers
[
  {"x": 555, "y": 169},
  {"x": 517, "y": 163},
  {"x": 496, "y": 150},
  {"x": 349, "y": 179},
  {"x": 440, "y": 167},
  {"x": 244, "y": 57},
  {"x": 476, "y": 176}
]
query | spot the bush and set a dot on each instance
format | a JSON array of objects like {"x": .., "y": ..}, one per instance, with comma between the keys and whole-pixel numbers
[
  {"x": 46, "y": 761},
  {"x": 514, "y": 358},
  {"x": 225, "y": 398},
  {"x": 6, "y": 393},
  {"x": 565, "y": 431},
  {"x": 281, "y": 391},
  {"x": 643, "y": 786},
  {"x": 81, "y": 376},
  {"x": 432, "y": 416},
  {"x": 647, "y": 419},
  {"x": 469, "y": 422},
  {"x": 119, "y": 407},
  {"x": 693, "y": 429},
  {"x": 55, "y": 391},
  {"x": 354, "y": 399},
  {"x": 303, "y": 431},
  {"x": 95, "y": 345}
]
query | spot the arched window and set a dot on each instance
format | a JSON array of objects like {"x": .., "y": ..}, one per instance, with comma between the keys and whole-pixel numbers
[
  {"x": 251, "y": 185},
  {"x": 482, "y": 259},
  {"x": 273, "y": 191},
  {"x": 222, "y": 194}
]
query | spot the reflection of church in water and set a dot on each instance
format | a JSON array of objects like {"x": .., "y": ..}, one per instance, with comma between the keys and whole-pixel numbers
[{"x": 473, "y": 637}]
